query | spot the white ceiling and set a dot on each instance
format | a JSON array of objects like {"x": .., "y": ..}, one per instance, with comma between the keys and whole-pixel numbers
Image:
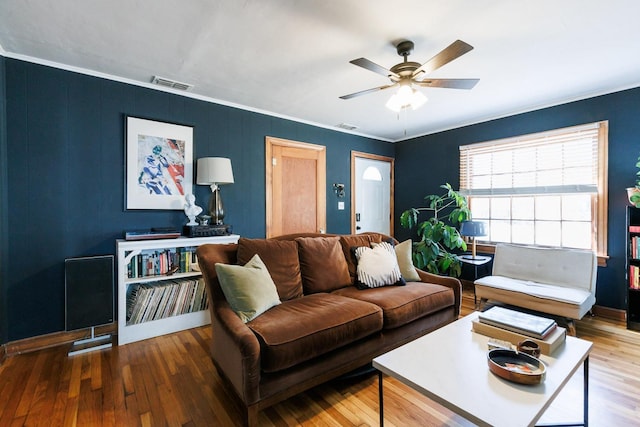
[{"x": 290, "y": 58}]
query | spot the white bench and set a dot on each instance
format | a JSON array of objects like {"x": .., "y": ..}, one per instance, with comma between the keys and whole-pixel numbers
[{"x": 560, "y": 282}]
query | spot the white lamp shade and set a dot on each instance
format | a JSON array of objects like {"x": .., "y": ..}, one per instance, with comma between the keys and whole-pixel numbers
[{"x": 214, "y": 170}]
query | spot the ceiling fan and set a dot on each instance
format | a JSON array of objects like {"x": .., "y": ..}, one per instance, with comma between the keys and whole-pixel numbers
[{"x": 406, "y": 74}]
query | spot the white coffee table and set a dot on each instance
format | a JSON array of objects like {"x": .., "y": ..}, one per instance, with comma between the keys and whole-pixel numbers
[{"x": 449, "y": 366}]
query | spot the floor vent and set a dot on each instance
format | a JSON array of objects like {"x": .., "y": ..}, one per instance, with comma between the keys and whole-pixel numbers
[{"x": 161, "y": 81}]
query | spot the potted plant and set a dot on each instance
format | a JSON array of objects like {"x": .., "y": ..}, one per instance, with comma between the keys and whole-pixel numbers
[
  {"x": 634, "y": 192},
  {"x": 437, "y": 238}
]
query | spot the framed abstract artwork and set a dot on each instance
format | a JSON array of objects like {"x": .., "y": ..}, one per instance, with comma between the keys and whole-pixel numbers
[{"x": 159, "y": 164}]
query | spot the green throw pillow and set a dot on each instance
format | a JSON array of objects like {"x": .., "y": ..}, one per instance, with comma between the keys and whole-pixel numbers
[
  {"x": 249, "y": 289},
  {"x": 405, "y": 261}
]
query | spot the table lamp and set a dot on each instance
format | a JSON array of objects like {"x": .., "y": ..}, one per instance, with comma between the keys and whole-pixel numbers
[
  {"x": 214, "y": 171},
  {"x": 472, "y": 229}
]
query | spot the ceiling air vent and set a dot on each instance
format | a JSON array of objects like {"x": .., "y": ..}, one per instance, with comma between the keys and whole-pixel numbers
[
  {"x": 161, "y": 81},
  {"x": 346, "y": 126}
]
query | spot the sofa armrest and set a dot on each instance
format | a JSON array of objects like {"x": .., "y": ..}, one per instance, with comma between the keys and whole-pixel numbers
[
  {"x": 235, "y": 349},
  {"x": 236, "y": 352},
  {"x": 450, "y": 282}
]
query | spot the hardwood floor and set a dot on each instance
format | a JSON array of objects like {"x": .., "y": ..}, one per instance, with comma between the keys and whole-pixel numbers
[{"x": 171, "y": 381}]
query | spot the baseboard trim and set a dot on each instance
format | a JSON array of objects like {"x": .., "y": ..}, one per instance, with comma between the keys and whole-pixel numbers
[
  {"x": 610, "y": 313},
  {"x": 55, "y": 339}
]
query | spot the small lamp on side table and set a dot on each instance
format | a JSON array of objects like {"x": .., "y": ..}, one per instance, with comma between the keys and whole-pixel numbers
[
  {"x": 215, "y": 171},
  {"x": 472, "y": 229}
]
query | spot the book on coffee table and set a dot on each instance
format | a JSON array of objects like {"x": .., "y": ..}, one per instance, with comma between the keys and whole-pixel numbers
[
  {"x": 516, "y": 321},
  {"x": 547, "y": 346}
]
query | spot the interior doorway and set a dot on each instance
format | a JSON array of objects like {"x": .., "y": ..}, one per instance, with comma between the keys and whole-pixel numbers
[
  {"x": 295, "y": 187},
  {"x": 371, "y": 193}
]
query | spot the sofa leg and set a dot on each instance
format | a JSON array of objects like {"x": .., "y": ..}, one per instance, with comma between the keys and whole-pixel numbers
[
  {"x": 481, "y": 302},
  {"x": 571, "y": 327},
  {"x": 251, "y": 416}
]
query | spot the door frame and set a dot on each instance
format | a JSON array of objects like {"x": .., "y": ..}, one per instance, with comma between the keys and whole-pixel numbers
[
  {"x": 391, "y": 160},
  {"x": 321, "y": 190}
]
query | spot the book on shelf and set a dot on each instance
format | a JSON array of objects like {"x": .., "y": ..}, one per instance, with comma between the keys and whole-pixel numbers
[
  {"x": 159, "y": 300},
  {"x": 634, "y": 277},
  {"x": 547, "y": 346},
  {"x": 164, "y": 262},
  {"x": 516, "y": 321},
  {"x": 634, "y": 245},
  {"x": 634, "y": 229}
]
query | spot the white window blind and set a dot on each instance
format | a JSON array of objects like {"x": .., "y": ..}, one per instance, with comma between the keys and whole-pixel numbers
[{"x": 563, "y": 161}]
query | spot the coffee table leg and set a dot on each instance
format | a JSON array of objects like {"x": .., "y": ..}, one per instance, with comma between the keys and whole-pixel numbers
[
  {"x": 586, "y": 391},
  {"x": 380, "y": 398},
  {"x": 585, "y": 401}
]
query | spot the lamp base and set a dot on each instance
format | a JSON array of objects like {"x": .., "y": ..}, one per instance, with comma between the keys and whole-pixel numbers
[{"x": 216, "y": 209}]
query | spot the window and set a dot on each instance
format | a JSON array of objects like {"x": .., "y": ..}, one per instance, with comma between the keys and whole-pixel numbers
[{"x": 547, "y": 189}]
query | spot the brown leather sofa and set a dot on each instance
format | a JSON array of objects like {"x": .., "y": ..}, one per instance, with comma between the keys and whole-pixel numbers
[{"x": 325, "y": 326}]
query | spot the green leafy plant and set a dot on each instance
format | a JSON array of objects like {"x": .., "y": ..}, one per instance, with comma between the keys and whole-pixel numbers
[
  {"x": 635, "y": 197},
  {"x": 437, "y": 238}
]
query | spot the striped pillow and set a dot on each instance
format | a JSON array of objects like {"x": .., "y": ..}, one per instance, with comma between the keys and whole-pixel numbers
[{"x": 377, "y": 266}]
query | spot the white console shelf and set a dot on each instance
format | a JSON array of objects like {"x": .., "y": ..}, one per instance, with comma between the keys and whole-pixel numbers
[{"x": 126, "y": 250}]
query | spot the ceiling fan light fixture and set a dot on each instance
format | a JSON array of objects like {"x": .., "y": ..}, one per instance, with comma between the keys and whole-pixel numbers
[{"x": 404, "y": 98}]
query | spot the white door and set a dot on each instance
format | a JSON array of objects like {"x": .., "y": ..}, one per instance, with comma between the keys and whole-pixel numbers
[{"x": 373, "y": 204}]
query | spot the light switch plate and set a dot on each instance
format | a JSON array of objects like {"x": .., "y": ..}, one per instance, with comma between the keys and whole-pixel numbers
[{"x": 340, "y": 206}]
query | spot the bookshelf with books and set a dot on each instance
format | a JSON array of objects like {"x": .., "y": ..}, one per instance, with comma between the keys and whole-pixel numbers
[
  {"x": 159, "y": 286},
  {"x": 633, "y": 268}
]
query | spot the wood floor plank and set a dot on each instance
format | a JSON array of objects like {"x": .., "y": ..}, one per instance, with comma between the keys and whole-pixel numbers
[{"x": 171, "y": 380}]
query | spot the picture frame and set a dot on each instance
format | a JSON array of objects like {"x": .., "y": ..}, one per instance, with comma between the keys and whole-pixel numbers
[{"x": 159, "y": 164}]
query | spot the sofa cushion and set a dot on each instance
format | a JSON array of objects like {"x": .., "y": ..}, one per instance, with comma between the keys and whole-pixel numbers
[
  {"x": 322, "y": 264},
  {"x": 405, "y": 261},
  {"x": 403, "y": 304},
  {"x": 248, "y": 289},
  {"x": 348, "y": 242},
  {"x": 304, "y": 328},
  {"x": 281, "y": 259},
  {"x": 377, "y": 266}
]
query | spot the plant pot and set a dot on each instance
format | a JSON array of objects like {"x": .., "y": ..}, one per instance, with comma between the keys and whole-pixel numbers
[{"x": 634, "y": 196}]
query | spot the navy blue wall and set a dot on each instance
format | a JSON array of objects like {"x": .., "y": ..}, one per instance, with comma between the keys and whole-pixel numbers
[
  {"x": 4, "y": 238},
  {"x": 426, "y": 162},
  {"x": 65, "y": 155},
  {"x": 62, "y": 174}
]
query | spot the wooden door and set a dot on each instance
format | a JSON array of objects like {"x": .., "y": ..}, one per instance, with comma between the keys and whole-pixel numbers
[{"x": 296, "y": 187}]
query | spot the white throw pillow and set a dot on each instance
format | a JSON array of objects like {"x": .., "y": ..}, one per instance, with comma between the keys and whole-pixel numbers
[{"x": 377, "y": 266}]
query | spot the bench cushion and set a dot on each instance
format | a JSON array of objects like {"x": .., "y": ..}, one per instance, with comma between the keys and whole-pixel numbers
[
  {"x": 403, "y": 304},
  {"x": 572, "y": 268},
  {"x": 304, "y": 328},
  {"x": 559, "y": 300}
]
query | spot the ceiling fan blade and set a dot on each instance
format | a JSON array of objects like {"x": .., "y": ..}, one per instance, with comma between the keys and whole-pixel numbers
[
  {"x": 448, "y": 83},
  {"x": 448, "y": 54},
  {"x": 366, "y": 91},
  {"x": 372, "y": 66}
]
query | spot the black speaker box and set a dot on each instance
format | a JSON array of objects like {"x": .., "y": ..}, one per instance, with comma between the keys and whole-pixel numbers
[{"x": 89, "y": 299}]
